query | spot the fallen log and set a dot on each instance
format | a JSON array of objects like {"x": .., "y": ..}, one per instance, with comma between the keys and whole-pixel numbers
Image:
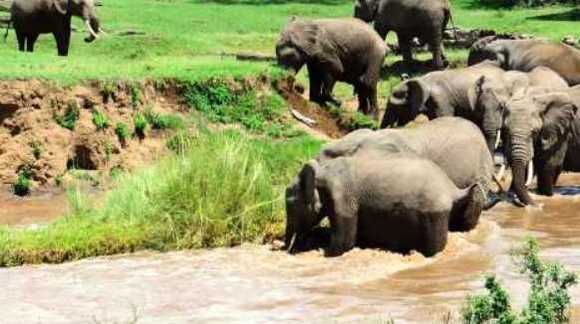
[{"x": 308, "y": 121}]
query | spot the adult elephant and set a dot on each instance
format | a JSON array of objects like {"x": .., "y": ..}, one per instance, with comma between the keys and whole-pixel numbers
[
  {"x": 456, "y": 145},
  {"x": 31, "y": 18},
  {"x": 400, "y": 202},
  {"x": 408, "y": 18},
  {"x": 477, "y": 93},
  {"x": 525, "y": 55},
  {"x": 334, "y": 50},
  {"x": 536, "y": 125}
]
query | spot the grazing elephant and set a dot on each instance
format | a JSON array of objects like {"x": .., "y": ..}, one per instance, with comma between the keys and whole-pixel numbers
[
  {"x": 31, "y": 18},
  {"x": 477, "y": 93},
  {"x": 409, "y": 18},
  {"x": 525, "y": 55},
  {"x": 334, "y": 50},
  {"x": 536, "y": 124},
  {"x": 456, "y": 145},
  {"x": 400, "y": 202}
]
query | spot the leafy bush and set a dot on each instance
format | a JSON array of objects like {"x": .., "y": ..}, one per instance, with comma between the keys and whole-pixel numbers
[
  {"x": 548, "y": 300},
  {"x": 70, "y": 117},
  {"x": 135, "y": 91},
  {"x": 158, "y": 121},
  {"x": 140, "y": 125},
  {"x": 100, "y": 120},
  {"x": 23, "y": 183},
  {"x": 122, "y": 131},
  {"x": 36, "y": 149}
]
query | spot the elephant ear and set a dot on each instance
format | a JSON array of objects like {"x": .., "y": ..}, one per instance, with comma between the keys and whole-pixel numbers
[
  {"x": 308, "y": 181},
  {"x": 314, "y": 41},
  {"x": 560, "y": 113},
  {"x": 62, "y": 6},
  {"x": 418, "y": 93}
]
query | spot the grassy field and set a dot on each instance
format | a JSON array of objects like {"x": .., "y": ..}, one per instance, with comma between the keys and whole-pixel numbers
[
  {"x": 185, "y": 38},
  {"x": 226, "y": 187}
]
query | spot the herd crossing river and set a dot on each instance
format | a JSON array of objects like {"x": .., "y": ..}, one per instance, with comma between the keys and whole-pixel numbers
[{"x": 255, "y": 283}]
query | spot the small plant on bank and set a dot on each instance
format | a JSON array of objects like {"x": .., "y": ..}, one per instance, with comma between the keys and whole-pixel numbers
[
  {"x": 109, "y": 91},
  {"x": 23, "y": 183},
  {"x": 158, "y": 121},
  {"x": 140, "y": 125},
  {"x": 70, "y": 117},
  {"x": 122, "y": 131},
  {"x": 100, "y": 120},
  {"x": 36, "y": 149},
  {"x": 135, "y": 91},
  {"x": 548, "y": 300}
]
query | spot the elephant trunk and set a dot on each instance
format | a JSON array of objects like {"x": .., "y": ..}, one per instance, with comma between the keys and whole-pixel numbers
[
  {"x": 390, "y": 119},
  {"x": 519, "y": 182},
  {"x": 93, "y": 27},
  {"x": 546, "y": 177}
]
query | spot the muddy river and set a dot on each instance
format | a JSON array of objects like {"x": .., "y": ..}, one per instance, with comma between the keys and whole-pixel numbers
[{"x": 253, "y": 284}]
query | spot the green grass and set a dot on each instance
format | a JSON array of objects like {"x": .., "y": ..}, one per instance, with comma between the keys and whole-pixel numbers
[
  {"x": 225, "y": 189},
  {"x": 185, "y": 38}
]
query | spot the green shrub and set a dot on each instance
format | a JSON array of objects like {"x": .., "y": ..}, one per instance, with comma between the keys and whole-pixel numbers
[
  {"x": 100, "y": 120},
  {"x": 23, "y": 183},
  {"x": 548, "y": 300},
  {"x": 135, "y": 91},
  {"x": 140, "y": 125},
  {"x": 179, "y": 142},
  {"x": 158, "y": 121},
  {"x": 36, "y": 149},
  {"x": 122, "y": 131},
  {"x": 70, "y": 117}
]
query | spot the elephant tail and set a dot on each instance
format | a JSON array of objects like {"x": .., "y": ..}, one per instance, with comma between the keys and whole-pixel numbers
[
  {"x": 7, "y": 30},
  {"x": 450, "y": 18}
]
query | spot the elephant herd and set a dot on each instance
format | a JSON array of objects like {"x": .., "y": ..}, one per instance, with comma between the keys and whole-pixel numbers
[{"x": 404, "y": 189}]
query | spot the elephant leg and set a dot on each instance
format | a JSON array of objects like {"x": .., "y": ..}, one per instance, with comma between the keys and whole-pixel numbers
[
  {"x": 30, "y": 41},
  {"x": 434, "y": 232},
  {"x": 62, "y": 38},
  {"x": 328, "y": 83},
  {"x": 364, "y": 95},
  {"x": 344, "y": 225},
  {"x": 546, "y": 182},
  {"x": 466, "y": 212},
  {"x": 405, "y": 45},
  {"x": 21, "y": 41},
  {"x": 315, "y": 85},
  {"x": 436, "y": 46}
]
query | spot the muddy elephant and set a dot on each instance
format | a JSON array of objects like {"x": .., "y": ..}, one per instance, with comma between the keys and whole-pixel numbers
[
  {"x": 477, "y": 93},
  {"x": 525, "y": 55},
  {"x": 456, "y": 145},
  {"x": 334, "y": 50},
  {"x": 401, "y": 203},
  {"x": 31, "y": 18},
  {"x": 409, "y": 19},
  {"x": 536, "y": 125}
]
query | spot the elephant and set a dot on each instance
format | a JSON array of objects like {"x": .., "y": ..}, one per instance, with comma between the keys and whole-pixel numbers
[
  {"x": 408, "y": 18},
  {"x": 477, "y": 93},
  {"x": 455, "y": 144},
  {"x": 525, "y": 55},
  {"x": 333, "y": 50},
  {"x": 30, "y": 18},
  {"x": 401, "y": 203},
  {"x": 537, "y": 123}
]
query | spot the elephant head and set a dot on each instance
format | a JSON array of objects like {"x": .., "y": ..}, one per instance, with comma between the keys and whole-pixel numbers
[
  {"x": 365, "y": 10},
  {"x": 301, "y": 41},
  {"x": 406, "y": 102},
  {"x": 490, "y": 101},
  {"x": 84, "y": 9},
  {"x": 488, "y": 48},
  {"x": 533, "y": 119},
  {"x": 302, "y": 206}
]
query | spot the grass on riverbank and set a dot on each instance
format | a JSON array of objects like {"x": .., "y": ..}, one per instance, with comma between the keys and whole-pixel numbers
[{"x": 225, "y": 189}]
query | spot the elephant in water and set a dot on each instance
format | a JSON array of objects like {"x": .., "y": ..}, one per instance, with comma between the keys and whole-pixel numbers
[
  {"x": 454, "y": 144},
  {"x": 333, "y": 50},
  {"x": 477, "y": 93},
  {"x": 31, "y": 18},
  {"x": 525, "y": 55},
  {"x": 409, "y": 18},
  {"x": 400, "y": 202}
]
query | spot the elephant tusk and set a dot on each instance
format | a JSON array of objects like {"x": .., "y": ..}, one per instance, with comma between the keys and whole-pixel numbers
[
  {"x": 530, "y": 173},
  {"x": 501, "y": 172},
  {"x": 90, "y": 29},
  {"x": 498, "y": 183},
  {"x": 498, "y": 138},
  {"x": 292, "y": 242}
]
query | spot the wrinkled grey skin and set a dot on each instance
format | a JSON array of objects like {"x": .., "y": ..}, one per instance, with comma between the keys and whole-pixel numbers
[
  {"x": 477, "y": 93},
  {"x": 31, "y": 18},
  {"x": 400, "y": 202},
  {"x": 408, "y": 18},
  {"x": 535, "y": 123},
  {"x": 334, "y": 50},
  {"x": 557, "y": 147},
  {"x": 525, "y": 55}
]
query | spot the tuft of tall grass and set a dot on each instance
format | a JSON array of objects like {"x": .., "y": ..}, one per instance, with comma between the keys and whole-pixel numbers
[{"x": 224, "y": 189}]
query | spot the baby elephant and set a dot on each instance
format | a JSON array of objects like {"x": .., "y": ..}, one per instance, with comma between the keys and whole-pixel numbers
[
  {"x": 401, "y": 203},
  {"x": 333, "y": 50}
]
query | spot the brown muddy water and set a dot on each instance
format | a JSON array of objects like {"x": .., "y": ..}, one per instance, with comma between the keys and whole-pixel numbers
[{"x": 253, "y": 284}]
